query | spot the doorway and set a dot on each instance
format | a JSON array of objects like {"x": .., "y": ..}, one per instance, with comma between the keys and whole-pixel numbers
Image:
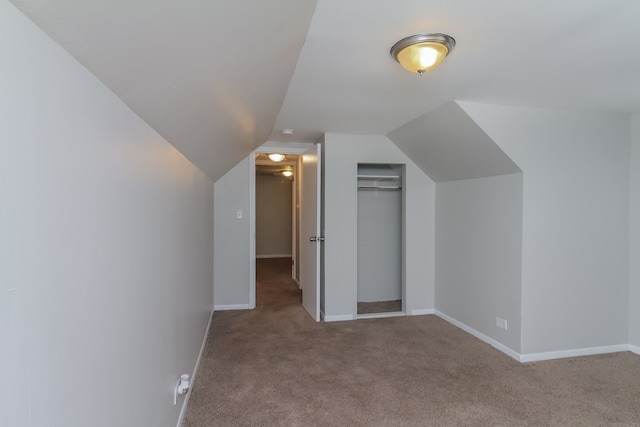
[
  {"x": 306, "y": 236},
  {"x": 305, "y": 225},
  {"x": 276, "y": 210}
]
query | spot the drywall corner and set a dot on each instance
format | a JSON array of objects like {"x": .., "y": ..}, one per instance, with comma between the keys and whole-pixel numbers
[{"x": 634, "y": 235}]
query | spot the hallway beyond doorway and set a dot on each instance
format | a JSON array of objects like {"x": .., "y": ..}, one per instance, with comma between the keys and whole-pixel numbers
[{"x": 275, "y": 288}]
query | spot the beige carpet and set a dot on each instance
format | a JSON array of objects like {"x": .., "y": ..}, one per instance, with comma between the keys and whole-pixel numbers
[
  {"x": 379, "y": 307},
  {"x": 274, "y": 366}
]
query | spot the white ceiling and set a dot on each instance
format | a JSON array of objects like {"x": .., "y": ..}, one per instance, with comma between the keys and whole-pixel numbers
[{"x": 218, "y": 78}]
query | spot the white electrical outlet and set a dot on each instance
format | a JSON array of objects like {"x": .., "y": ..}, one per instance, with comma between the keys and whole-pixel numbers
[{"x": 501, "y": 323}]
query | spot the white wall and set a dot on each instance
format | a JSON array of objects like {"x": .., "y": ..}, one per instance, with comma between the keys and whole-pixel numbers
[
  {"x": 575, "y": 268},
  {"x": 634, "y": 280},
  {"x": 341, "y": 158},
  {"x": 273, "y": 216},
  {"x": 231, "y": 267},
  {"x": 479, "y": 254},
  {"x": 105, "y": 244}
]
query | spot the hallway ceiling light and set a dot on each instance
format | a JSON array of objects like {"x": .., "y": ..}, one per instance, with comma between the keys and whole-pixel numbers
[
  {"x": 422, "y": 52},
  {"x": 276, "y": 157},
  {"x": 287, "y": 173}
]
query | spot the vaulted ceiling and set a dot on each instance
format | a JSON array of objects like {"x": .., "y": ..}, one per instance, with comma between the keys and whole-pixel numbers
[{"x": 218, "y": 78}]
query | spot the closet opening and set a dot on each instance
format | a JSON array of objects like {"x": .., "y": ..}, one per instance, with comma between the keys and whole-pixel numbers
[{"x": 380, "y": 235}]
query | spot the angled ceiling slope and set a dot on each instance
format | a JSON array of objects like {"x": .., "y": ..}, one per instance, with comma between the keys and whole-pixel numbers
[
  {"x": 448, "y": 145},
  {"x": 209, "y": 76}
]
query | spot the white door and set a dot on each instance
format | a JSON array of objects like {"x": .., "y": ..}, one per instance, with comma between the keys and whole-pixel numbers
[{"x": 310, "y": 238}]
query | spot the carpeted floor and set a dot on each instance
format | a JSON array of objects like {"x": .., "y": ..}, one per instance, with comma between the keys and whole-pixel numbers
[
  {"x": 275, "y": 366},
  {"x": 379, "y": 307}
]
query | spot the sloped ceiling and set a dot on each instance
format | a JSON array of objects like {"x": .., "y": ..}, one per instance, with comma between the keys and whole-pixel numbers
[
  {"x": 209, "y": 76},
  {"x": 218, "y": 78},
  {"x": 448, "y": 145}
]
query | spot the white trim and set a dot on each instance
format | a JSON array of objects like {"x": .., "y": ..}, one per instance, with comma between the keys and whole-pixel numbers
[
  {"x": 274, "y": 256},
  {"x": 284, "y": 147},
  {"x": 252, "y": 230},
  {"x": 339, "y": 317},
  {"x": 503, "y": 348},
  {"x": 294, "y": 220},
  {"x": 185, "y": 403},
  {"x": 422, "y": 312},
  {"x": 317, "y": 151},
  {"x": 232, "y": 307},
  {"x": 380, "y": 315},
  {"x": 537, "y": 357}
]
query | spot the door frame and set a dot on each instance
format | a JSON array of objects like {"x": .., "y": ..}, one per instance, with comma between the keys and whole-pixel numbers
[{"x": 269, "y": 147}]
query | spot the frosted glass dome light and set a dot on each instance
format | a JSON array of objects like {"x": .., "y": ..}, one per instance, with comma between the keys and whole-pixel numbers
[
  {"x": 422, "y": 52},
  {"x": 276, "y": 157}
]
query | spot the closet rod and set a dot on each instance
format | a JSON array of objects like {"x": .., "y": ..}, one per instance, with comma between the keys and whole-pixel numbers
[{"x": 378, "y": 187}]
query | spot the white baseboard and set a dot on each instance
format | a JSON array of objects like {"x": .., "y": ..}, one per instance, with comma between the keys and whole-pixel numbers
[
  {"x": 274, "y": 256},
  {"x": 380, "y": 315},
  {"x": 232, "y": 307},
  {"x": 422, "y": 312},
  {"x": 338, "y": 317},
  {"x": 590, "y": 351},
  {"x": 185, "y": 403},
  {"x": 503, "y": 348},
  {"x": 538, "y": 357}
]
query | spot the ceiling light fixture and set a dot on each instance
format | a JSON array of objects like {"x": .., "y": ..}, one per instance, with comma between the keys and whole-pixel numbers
[
  {"x": 422, "y": 52},
  {"x": 287, "y": 131},
  {"x": 287, "y": 173},
  {"x": 276, "y": 157}
]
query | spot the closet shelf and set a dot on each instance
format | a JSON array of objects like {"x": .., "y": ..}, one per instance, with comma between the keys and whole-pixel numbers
[
  {"x": 379, "y": 177},
  {"x": 379, "y": 182}
]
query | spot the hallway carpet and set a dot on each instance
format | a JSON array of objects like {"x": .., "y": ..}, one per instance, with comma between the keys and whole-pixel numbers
[{"x": 275, "y": 366}]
